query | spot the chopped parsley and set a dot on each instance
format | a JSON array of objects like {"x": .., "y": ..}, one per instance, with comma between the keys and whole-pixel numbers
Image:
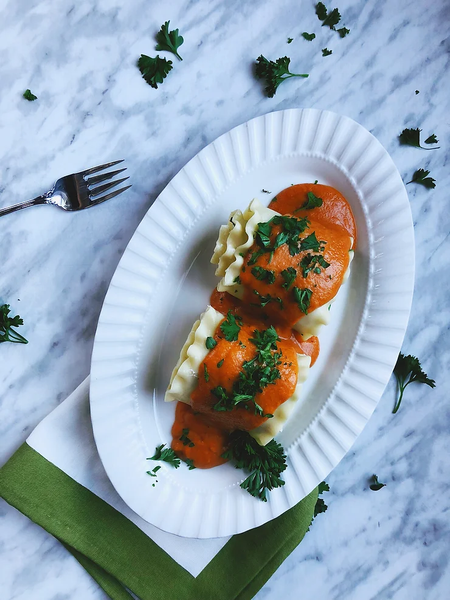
[
  {"x": 312, "y": 201},
  {"x": 190, "y": 463},
  {"x": 326, "y": 52},
  {"x": 28, "y": 95},
  {"x": 289, "y": 40},
  {"x": 210, "y": 343},
  {"x": 169, "y": 41},
  {"x": 376, "y": 485},
  {"x": 421, "y": 176},
  {"x": 7, "y": 333},
  {"x": 256, "y": 374},
  {"x": 154, "y": 70},
  {"x": 184, "y": 438},
  {"x": 231, "y": 327},
  {"x": 264, "y": 463},
  {"x": 432, "y": 139},
  {"x": 289, "y": 276},
  {"x": 153, "y": 472},
  {"x": 263, "y": 274},
  {"x": 411, "y": 137},
  {"x": 312, "y": 262},
  {"x": 220, "y": 363},
  {"x": 265, "y": 300},
  {"x": 308, "y": 36},
  {"x": 266, "y": 191},
  {"x": 303, "y": 298},
  {"x": 274, "y": 73},
  {"x": 237, "y": 280},
  {"x": 329, "y": 19},
  {"x": 167, "y": 455},
  {"x": 343, "y": 31},
  {"x": 408, "y": 370},
  {"x": 205, "y": 370},
  {"x": 311, "y": 243}
]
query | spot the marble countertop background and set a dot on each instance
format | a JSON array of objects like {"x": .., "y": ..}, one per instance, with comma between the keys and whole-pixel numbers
[{"x": 93, "y": 106}]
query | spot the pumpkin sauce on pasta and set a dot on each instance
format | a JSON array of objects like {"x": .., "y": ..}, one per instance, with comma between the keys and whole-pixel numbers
[{"x": 246, "y": 358}]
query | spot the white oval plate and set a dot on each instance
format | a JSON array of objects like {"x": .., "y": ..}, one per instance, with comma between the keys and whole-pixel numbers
[{"x": 163, "y": 283}]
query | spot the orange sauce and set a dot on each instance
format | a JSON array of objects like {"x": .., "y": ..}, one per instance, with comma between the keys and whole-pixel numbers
[{"x": 200, "y": 432}]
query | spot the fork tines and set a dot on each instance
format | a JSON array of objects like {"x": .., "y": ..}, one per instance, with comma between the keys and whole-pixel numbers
[{"x": 94, "y": 192}]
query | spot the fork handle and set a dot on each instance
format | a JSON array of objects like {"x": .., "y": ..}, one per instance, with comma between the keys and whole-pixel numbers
[{"x": 9, "y": 209}]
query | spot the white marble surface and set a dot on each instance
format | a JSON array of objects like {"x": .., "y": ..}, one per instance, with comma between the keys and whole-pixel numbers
[{"x": 93, "y": 106}]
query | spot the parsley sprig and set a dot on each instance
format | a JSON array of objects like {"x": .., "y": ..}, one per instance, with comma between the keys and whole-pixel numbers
[
  {"x": 231, "y": 327},
  {"x": 421, "y": 176},
  {"x": 256, "y": 374},
  {"x": 264, "y": 463},
  {"x": 167, "y": 455},
  {"x": 169, "y": 41},
  {"x": 330, "y": 19},
  {"x": 408, "y": 370},
  {"x": 376, "y": 485},
  {"x": 154, "y": 70},
  {"x": 7, "y": 333},
  {"x": 274, "y": 73},
  {"x": 411, "y": 137}
]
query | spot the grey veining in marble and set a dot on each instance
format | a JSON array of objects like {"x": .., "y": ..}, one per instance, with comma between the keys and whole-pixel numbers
[{"x": 93, "y": 106}]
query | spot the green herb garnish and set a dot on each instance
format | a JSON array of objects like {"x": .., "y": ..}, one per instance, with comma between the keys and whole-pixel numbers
[
  {"x": 303, "y": 298},
  {"x": 421, "y": 176},
  {"x": 411, "y": 137},
  {"x": 376, "y": 485},
  {"x": 7, "y": 334},
  {"x": 289, "y": 40},
  {"x": 205, "y": 371},
  {"x": 220, "y": 363},
  {"x": 153, "y": 472},
  {"x": 169, "y": 41},
  {"x": 326, "y": 52},
  {"x": 264, "y": 463},
  {"x": 184, "y": 438},
  {"x": 154, "y": 70},
  {"x": 308, "y": 36},
  {"x": 312, "y": 262},
  {"x": 28, "y": 95},
  {"x": 210, "y": 343},
  {"x": 432, "y": 139},
  {"x": 274, "y": 73},
  {"x": 329, "y": 19},
  {"x": 265, "y": 300},
  {"x": 311, "y": 243},
  {"x": 190, "y": 463},
  {"x": 231, "y": 327},
  {"x": 408, "y": 370},
  {"x": 289, "y": 276},
  {"x": 343, "y": 31},
  {"x": 256, "y": 374},
  {"x": 263, "y": 274},
  {"x": 167, "y": 455},
  {"x": 312, "y": 202}
]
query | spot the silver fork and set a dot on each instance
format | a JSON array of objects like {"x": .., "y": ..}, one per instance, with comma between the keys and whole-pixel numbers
[{"x": 77, "y": 191}]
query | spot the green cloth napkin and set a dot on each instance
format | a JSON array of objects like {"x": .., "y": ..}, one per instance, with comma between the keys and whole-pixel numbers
[{"x": 120, "y": 557}]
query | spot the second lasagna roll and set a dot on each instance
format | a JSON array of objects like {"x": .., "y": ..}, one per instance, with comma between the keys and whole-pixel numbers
[
  {"x": 288, "y": 269},
  {"x": 239, "y": 374}
]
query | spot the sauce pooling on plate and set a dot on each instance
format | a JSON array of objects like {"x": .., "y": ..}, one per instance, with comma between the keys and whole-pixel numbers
[{"x": 296, "y": 264}]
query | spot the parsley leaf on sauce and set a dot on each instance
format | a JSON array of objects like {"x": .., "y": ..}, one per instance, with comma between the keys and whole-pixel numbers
[
  {"x": 231, "y": 327},
  {"x": 312, "y": 202},
  {"x": 263, "y": 274},
  {"x": 310, "y": 243},
  {"x": 289, "y": 276},
  {"x": 303, "y": 298},
  {"x": 184, "y": 438}
]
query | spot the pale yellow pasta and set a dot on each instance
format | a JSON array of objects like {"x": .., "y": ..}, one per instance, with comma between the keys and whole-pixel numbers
[{"x": 185, "y": 374}]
